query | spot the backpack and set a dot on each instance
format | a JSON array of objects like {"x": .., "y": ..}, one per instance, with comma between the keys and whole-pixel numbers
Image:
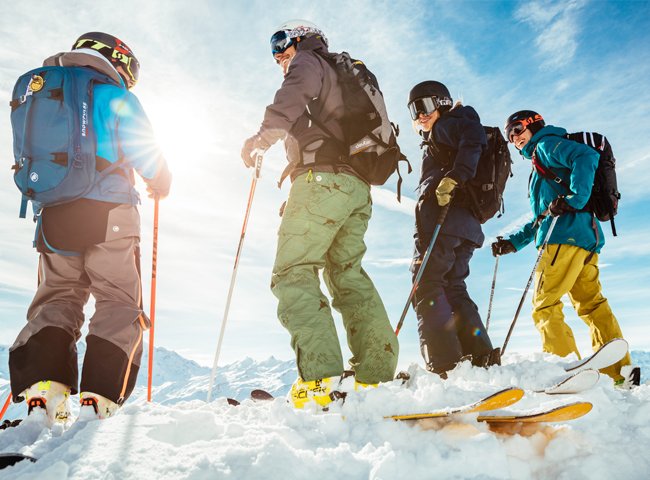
[
  {"x": 371, "y": 138},
  {"x": 54, "y": 140},
  {"x": 603, "y": 202},
  {"x": 483, "y": 194}
]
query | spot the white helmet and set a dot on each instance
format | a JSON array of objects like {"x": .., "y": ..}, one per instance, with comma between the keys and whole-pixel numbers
[{"x": 285, "y": 33}]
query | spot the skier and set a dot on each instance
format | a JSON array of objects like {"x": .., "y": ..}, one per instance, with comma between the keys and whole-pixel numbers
[
  {"x": 323, "y": 225},
  {"x": 91, "y": 246},
  {"x": 569, "y": 264},
  {"x": 449, "y": 324}
]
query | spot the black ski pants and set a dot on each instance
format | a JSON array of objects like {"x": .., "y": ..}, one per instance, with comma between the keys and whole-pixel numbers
[{"x": 449, "y": 324}]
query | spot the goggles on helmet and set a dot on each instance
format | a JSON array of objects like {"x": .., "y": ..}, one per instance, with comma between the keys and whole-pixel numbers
[
  {"x": 519, "y": 126},
  {"x": 426, "y": 106},
  {"x": 280, "y": 41}
]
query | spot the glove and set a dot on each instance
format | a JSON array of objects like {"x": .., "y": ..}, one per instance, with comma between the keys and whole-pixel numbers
[
  {"x": 559, "y": 206},
  {"x": 160, "y": 184},
  {"x": 444, "y": 190},
  {"x": 254, "y": 146},
  {"x": 502, "y": 247}
]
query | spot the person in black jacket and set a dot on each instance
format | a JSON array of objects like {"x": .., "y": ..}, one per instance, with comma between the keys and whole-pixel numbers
[{"x": 449, "y": 323}]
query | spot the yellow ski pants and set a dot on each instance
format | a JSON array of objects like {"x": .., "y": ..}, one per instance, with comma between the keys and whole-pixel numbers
[{"x": 567, "y": 269}]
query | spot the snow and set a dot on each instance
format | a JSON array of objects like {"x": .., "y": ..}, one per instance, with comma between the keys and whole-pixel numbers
[{"x": 180, "y": 436}]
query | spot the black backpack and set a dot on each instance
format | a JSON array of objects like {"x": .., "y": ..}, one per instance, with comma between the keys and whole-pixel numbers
[
  {"x": 371, "y": 138},
  {"x": 483, "y": 194},
  {"x": 494, "y": 169},
  {"x": 603, "y": 202}
]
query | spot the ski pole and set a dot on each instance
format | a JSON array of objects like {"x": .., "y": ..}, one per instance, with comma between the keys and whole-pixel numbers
[
  {"x": 152, "y": 307},
  {"x": 256, "y": 175},
  {"x": 425, "y": 259},
  {"x": 494, "y": 282},
  {"x": 6, "y": 406},
  {"x": 530, "y": 281}
]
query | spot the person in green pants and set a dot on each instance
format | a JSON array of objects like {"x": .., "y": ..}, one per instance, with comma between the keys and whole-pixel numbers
[{"x": 323, "y": 226}]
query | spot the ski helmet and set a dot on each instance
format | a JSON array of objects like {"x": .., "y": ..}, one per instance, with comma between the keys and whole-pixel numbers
[
  {"x": 519, "y": 121},
  {"x": 427, "y": 97},
  {"x": 290, "y": 33},
  {"x": 115, "y": 51}
]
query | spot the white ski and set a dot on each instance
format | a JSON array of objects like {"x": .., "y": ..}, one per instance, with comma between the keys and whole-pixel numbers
[
  {"x": 576, "y": 382},
  {"x": 607, "y": 355}
]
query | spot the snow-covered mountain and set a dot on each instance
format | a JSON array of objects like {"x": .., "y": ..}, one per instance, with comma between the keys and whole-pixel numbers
[{"x": 179, "y": 436}]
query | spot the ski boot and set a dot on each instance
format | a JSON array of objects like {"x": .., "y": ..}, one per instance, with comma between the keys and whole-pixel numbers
[
  {"x": 320, "y": 392},
  {"x": 96, "y": 407},
  {"x": 49, "y": 399},
  {"x": 631, "y": 377}
]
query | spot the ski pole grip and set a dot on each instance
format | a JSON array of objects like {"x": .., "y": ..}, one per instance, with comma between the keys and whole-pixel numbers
[
  {"x": 443, "y": 214},
  {"x": 258, "y": 164}
]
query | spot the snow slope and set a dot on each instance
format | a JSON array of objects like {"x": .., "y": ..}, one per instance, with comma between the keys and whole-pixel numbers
[{"x": 179, "y": 436}]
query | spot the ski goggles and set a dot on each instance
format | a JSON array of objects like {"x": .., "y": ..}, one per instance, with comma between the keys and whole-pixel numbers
[
  {"x": 280, "y": 41},
  {"x": 426, "y": 106},
  {"x": 518, "y": 127}
]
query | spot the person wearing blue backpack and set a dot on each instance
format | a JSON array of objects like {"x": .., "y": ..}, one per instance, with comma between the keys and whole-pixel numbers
[{"x": 79, "y": 136}]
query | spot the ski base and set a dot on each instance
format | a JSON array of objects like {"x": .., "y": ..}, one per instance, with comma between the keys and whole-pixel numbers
[
  {"x": 575, "y": 383},
  {"x": 607, "y": 355},
  {"x": 501, "y": 399}
]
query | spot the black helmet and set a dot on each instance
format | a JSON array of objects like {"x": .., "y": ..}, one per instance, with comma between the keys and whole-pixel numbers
[
  {"x": 115, "y": 51},
  {"x": 519, "y": 121},
  {"x": 428, "y": 96}
]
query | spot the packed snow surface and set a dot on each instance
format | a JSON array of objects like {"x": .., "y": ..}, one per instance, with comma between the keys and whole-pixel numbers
[{"x": 180, "y": 436}]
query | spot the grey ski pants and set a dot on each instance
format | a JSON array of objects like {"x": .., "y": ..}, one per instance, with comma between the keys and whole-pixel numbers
[{"x": 46, "y": 347}]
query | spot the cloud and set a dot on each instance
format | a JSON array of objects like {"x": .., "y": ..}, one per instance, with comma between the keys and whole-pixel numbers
[{"x": 557, "y": 29}]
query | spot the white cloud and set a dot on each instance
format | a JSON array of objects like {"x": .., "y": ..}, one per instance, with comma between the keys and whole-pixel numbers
[{"x": 557, "y": 29}]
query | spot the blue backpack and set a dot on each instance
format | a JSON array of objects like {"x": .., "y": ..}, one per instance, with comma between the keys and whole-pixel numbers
[{"x": 54, "y": 139}]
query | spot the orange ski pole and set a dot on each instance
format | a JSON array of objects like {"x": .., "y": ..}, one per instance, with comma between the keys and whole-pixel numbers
[
  {"x": 152, "y": 308},
  {"x": 6, "y": 406}
]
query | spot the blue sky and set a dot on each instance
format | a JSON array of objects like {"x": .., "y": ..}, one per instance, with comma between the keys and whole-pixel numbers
[{"x": 207, "y": 75}]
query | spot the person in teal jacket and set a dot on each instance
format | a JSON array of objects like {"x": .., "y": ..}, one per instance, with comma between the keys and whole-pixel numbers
[{"x": 569, "y": 263}]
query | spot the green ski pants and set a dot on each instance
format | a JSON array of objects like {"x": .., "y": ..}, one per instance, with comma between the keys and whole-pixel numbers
[{"x": 323, "y": 225}]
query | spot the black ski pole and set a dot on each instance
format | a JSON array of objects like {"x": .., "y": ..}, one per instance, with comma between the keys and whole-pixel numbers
[
  {"x": 530, "y": 281},
  {"x": 494, "y": 282},
  {"x": 256, "y": 176},
  {"x": 425, "y": 259}
]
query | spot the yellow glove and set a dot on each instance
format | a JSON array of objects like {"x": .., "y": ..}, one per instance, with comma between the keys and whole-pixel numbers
[{"x": 444, "y": 190}]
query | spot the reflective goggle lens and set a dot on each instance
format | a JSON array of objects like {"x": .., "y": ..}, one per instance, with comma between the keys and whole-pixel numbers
[
  {"x": 425, "y": 106},
  {"x": 515, "y": 129},
  {"x": 280, "y": 41}
]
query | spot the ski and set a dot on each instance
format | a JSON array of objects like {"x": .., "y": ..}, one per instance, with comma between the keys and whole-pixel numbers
[
  {"x": 563, "y": 413},
  {"x": 575, "y": 383},
  {"x": 9, "y": 459},
  {"x": 607, "y": 355},
  {"x": 500, "y": 399}
]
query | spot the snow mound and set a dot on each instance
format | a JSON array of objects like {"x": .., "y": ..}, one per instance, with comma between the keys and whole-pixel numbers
[{"x": 180, "y": 436}]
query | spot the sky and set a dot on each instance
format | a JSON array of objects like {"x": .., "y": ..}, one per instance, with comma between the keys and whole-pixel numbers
[{"x": 207, "y": 75}]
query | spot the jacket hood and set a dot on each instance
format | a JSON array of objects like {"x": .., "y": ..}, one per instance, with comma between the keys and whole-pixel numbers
[
  {"x": 312, "y": 43},
  {"x": 528, "y": 149},
  {"x": 83, "y": 59},
  {"x": 462, "y": 111}
]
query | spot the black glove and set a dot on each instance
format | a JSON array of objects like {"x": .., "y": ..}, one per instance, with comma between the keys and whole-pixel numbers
[
  {"x": 248, "y": 151},
  {"x": 502, "y": 247},
  {"x": 559, "y": 206}
]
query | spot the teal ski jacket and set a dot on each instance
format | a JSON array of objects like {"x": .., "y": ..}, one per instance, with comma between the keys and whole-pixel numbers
[{"x": 575, "y": 163}]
